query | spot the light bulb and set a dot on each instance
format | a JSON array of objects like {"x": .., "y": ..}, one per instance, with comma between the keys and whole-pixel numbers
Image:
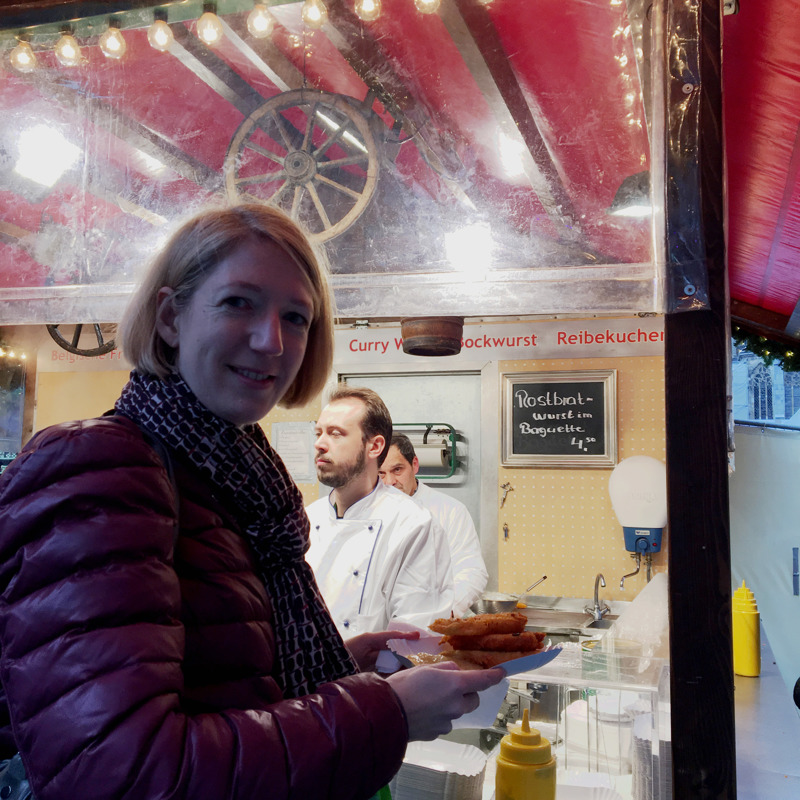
[
  {"x": 160, "y": 35},
  {"x": 23, "y": 59},
  {"x": 68, "y": 52},
  {"x": 314, "y": 13},
  {"x": 260, "y": 22},
  {"x": 209, "y": 28},
  {"x": 112, "y": 43},
  {"x": 368, "y": 10},
  {"x": 427, "y": 6}
]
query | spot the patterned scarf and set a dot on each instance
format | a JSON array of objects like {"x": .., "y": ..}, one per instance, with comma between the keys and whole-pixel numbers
[{"x": 267, "y": 505}]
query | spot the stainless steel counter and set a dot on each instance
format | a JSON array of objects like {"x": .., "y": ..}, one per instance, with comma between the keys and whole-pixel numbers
[{"x": 767, "y": 734}]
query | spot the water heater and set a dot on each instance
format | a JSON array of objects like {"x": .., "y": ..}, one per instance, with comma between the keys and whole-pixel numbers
[{"x": 638, "y": 489}]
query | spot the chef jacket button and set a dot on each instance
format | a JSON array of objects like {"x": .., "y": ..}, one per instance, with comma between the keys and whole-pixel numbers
[
  {"x": 346, "y": 624},
  {"x": 355, "y": 572},
  {"x": 370, "y": 527}
]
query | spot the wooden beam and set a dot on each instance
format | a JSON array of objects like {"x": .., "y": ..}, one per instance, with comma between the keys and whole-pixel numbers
[
  {"x": 763, "y": 322},
  {"x": 696, "y": 357},
  {"x": 470, "y": 26}
]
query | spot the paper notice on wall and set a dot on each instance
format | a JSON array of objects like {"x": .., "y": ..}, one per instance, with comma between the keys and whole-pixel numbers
[{"x": 294, "y": 442}]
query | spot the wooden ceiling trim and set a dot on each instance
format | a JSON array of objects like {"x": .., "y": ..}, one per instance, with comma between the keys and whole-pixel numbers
[
  {"x": 212, "y": 70},
  {"x": 45, "y": 12},
  {"x": 764, "y": 322},
  {"x": 264, "y": 56},
  {"x": 138, "y": 136},
  {"x": 507, "y": 98},
  {"x": 11, "y": 233},
  {"x": 363, "y": 54}
]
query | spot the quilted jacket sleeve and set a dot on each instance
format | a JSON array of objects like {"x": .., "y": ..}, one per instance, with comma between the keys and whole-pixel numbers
[{"x": 91, "y": 645}]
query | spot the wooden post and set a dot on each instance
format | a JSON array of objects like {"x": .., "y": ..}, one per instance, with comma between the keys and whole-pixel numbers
[{"x": 696, "y": 365}]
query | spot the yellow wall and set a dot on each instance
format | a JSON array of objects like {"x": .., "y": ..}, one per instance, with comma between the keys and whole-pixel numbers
[
  {"x": 64, "y": 396},
  {"x": 561, "y": 523}
]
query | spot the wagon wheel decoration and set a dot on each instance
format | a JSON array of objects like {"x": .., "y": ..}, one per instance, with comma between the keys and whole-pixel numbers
[
  {"x": 310, "y": 153},
  {"x": 71, "y": 343}
]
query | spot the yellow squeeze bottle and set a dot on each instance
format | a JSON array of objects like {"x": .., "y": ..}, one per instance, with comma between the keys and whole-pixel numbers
[
  {"x": 526, "y": 770},
  {"x": 746, "y": 633}
]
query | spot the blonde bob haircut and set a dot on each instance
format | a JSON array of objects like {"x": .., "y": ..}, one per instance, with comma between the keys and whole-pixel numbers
[{"x": 192, "y": 253}]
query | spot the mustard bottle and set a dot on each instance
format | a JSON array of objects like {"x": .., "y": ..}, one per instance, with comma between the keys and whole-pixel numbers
[
  {"x": 526, "y": 770},
  {"x": 746, "y": 633}
]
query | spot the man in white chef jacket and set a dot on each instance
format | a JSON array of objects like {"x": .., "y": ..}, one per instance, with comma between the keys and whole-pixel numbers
[
  {"x": 377, "y": 556},
  {"x": 470, "y": 577}
]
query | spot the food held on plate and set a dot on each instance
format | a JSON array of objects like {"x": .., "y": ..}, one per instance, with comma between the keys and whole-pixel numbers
[{"x": 486, "y": 640}]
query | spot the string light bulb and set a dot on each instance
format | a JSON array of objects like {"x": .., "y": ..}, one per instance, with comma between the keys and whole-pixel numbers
[
  {"x": 314, "y": 13},
  {"x": 68, "y": 52},
  {"x": 209, "y": 26},
  {"x": 260, "y": 22},
  {"x": 368, "y": 10},
  {"x": 112, "y": 42},
  {"x": 427, "y": 6},
  {"x": 159, "y": 34},
  {"x": 22, "y": 57}
]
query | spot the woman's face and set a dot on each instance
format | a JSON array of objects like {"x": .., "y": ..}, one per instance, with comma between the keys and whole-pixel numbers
[{"x": 241, "y": 338}]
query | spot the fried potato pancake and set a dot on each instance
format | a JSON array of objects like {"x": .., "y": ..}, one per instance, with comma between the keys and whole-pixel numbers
[
  {"x": 481, "y": 624},
  {"x": 509, "y": 642}
]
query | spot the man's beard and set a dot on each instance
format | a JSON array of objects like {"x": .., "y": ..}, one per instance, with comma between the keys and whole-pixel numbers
[{"x": 340, "y": 475}]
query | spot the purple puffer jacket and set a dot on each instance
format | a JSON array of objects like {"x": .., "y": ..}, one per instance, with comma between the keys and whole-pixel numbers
[{"x": 125, "y": 676}]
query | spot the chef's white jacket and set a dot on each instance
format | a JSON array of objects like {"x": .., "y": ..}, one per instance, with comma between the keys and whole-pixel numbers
[
  {"x": 385, "y": 560},
  {"x": 469, "y": 570}
]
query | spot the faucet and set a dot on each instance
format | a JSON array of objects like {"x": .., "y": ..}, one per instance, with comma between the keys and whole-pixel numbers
[
  {"x": 638, "y": 556},
  {"x": 597, "y": 610}
]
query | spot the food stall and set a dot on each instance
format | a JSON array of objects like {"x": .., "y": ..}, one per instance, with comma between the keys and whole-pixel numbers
[{"x": 461, "y": 159}]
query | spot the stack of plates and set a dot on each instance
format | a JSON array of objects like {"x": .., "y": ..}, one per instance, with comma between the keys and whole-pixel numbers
[
  {"x": 652, "y": 761},
  {"x": 440, "y": 770}
]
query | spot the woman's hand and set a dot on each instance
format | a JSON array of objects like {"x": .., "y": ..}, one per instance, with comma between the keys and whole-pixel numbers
[
  {"x": 365, "y": 647},
  {"x": 433, "y": 696}
]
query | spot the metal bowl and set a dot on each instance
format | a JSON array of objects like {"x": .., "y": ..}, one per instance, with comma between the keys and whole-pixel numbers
[{"x": 494, "y": 603}]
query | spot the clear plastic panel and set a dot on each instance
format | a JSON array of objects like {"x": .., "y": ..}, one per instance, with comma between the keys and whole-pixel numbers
[{"x": 480, "y": 160}]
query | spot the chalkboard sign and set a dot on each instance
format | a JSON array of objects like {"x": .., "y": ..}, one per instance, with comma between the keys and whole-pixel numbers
[{"x": 560, "y": 419}]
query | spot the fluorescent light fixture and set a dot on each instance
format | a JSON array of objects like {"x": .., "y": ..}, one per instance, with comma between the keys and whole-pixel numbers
[
  {"x": 347, "y": 136},
  {"x": 149, "y": 164},
  {"x": 510, "y": 151},
  {"x": 633, "y": 197},
  {"x": 469, "y": 249},
  {"x": 641, "y": 210},
  {"x": 44, "y": 155}
]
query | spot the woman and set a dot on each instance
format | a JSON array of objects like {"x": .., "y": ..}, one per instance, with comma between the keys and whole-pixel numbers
[{"x": 160, "y": 632}]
